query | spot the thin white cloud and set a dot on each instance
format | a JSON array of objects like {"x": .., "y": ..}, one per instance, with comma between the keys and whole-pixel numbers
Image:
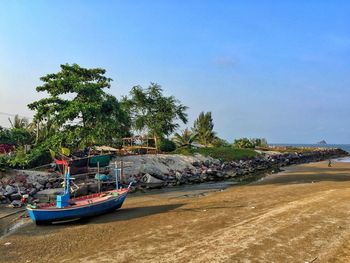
[{"x": 226, "y": 61}]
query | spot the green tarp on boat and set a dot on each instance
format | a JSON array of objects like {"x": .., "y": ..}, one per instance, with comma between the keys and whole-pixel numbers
[{"x": 103, "y": 160}]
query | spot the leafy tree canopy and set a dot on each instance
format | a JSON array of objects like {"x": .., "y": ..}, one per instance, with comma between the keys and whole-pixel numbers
[
  {"x": 79, "y": 108},
  {"x": 150, "y": 110}
]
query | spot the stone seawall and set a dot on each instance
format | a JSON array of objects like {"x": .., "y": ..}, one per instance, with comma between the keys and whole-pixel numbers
[
  {"x": 144, "y": 172},
  {"x": 161, "y": 170}
]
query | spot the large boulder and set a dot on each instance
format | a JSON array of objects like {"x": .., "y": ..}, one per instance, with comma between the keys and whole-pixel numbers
[
  {"x": 16, "y": 203},
  {"x": 48, "y": 195},
  {"x": 15, "y": 196},
  {"x": 9, "y": 190},
  {"x": 147, "y": 178},
  {"x": 82, "y": 190}
]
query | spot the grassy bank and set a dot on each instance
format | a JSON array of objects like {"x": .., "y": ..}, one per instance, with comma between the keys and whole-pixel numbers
[{"x": 222, "y": 153}]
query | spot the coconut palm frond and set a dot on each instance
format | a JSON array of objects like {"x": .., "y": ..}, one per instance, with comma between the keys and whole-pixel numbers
[{"x": 186, "y": 138}]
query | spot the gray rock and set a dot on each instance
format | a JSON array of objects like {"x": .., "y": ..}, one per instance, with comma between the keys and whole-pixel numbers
[
  {"x": 207, "y": 163},
  {"x": 93, "y": 187},
  {"x": 22, "y": 190},
  {"x": 15, "y": 196},
  {"x": 42, "y": 181},
  {"x": 219, "y": 174},
  {"x": 10, "y": 190},
  {"x": 196, "y": 164},
  {"x": 48, "y": 195},
  {"x": 5, "y": 201},
  {"x": 16, "y": 203},
  {"x": 52, "y": 180},
  {"x": 32, "y": 191},
  {"x": 147, "y": 178},
  {"x": 203, "y": 177},
  {"x": 194, "y": 180},
  {"x": 211, "y": 171},
  {"x": 56, "y": 184},
  {"x": 38, "y": 186},
  {"x": 82, "y": 190},
  {"x": 178, "y": 176}
]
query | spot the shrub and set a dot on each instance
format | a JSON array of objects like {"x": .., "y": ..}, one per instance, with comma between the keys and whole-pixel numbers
[
  {"x": 218, "y": 142},
  {"x": 4, "y": 162},
  {"x": 167, "y": 146},
  {"x": 250, "y": 143}
]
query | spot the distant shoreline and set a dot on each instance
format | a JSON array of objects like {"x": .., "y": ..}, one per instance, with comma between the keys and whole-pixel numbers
[{"x": 345, "y": 147}]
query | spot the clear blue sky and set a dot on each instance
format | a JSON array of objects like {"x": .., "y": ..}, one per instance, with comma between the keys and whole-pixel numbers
[{"x": 274, "y": 69}]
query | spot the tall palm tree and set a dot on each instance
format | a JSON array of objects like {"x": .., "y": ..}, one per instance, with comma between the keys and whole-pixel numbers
[
  {"x": 203, "y": 126},
  {"x": 18, "y": 122},
  {"x": 186, "y": 138}
]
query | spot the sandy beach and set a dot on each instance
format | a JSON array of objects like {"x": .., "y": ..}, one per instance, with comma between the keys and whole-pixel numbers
[{"x": 299, "y": 215}]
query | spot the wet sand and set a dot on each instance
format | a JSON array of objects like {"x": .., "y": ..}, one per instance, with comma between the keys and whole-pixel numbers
[{"x": 300, "y": 215}]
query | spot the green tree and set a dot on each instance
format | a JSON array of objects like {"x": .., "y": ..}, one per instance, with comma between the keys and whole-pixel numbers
[
  {"x": 185, "y": 139},
  {"x": 79, "y": 108},
  {"x": 153, "y": 112},
  {"x": 21, "y": 131},
  {"x": 203, "y": 127},
  {"x": 6, "y": 136},
  {"x": 250, "y": 143}
]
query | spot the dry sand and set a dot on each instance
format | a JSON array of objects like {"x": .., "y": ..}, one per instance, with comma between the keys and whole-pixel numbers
[{"x": 300, "y": 215}]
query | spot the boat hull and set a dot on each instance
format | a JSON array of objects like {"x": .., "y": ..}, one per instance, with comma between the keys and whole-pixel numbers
[{"x": 41, "y": 216}]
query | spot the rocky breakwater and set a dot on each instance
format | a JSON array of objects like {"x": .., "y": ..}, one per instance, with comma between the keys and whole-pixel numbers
[
  {"x": 16, "y": 183},
  {"x": 156, "y": 171}
]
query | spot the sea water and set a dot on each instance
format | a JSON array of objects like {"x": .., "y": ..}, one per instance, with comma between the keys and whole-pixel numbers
[{"x": 343, "y": 160}]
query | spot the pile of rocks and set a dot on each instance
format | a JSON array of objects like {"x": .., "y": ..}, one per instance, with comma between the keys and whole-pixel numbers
[
  {"x": 214, "y": 170},
  {"x": 17, "y": 183},
  {"x": 156, "y": 171}
]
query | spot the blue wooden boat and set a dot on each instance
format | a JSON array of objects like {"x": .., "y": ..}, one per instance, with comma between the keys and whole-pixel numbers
[{"x": 65, "y": 209}]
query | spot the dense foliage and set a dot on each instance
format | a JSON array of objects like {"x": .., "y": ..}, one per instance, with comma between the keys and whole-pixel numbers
[
  {"x": 250, "y": 143},
  {"x": 76, "y": 112},
  {"x": 6, "y": 136},
  {"x": 20, "y": 133},
  {"x": 218, "y": 142}
]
